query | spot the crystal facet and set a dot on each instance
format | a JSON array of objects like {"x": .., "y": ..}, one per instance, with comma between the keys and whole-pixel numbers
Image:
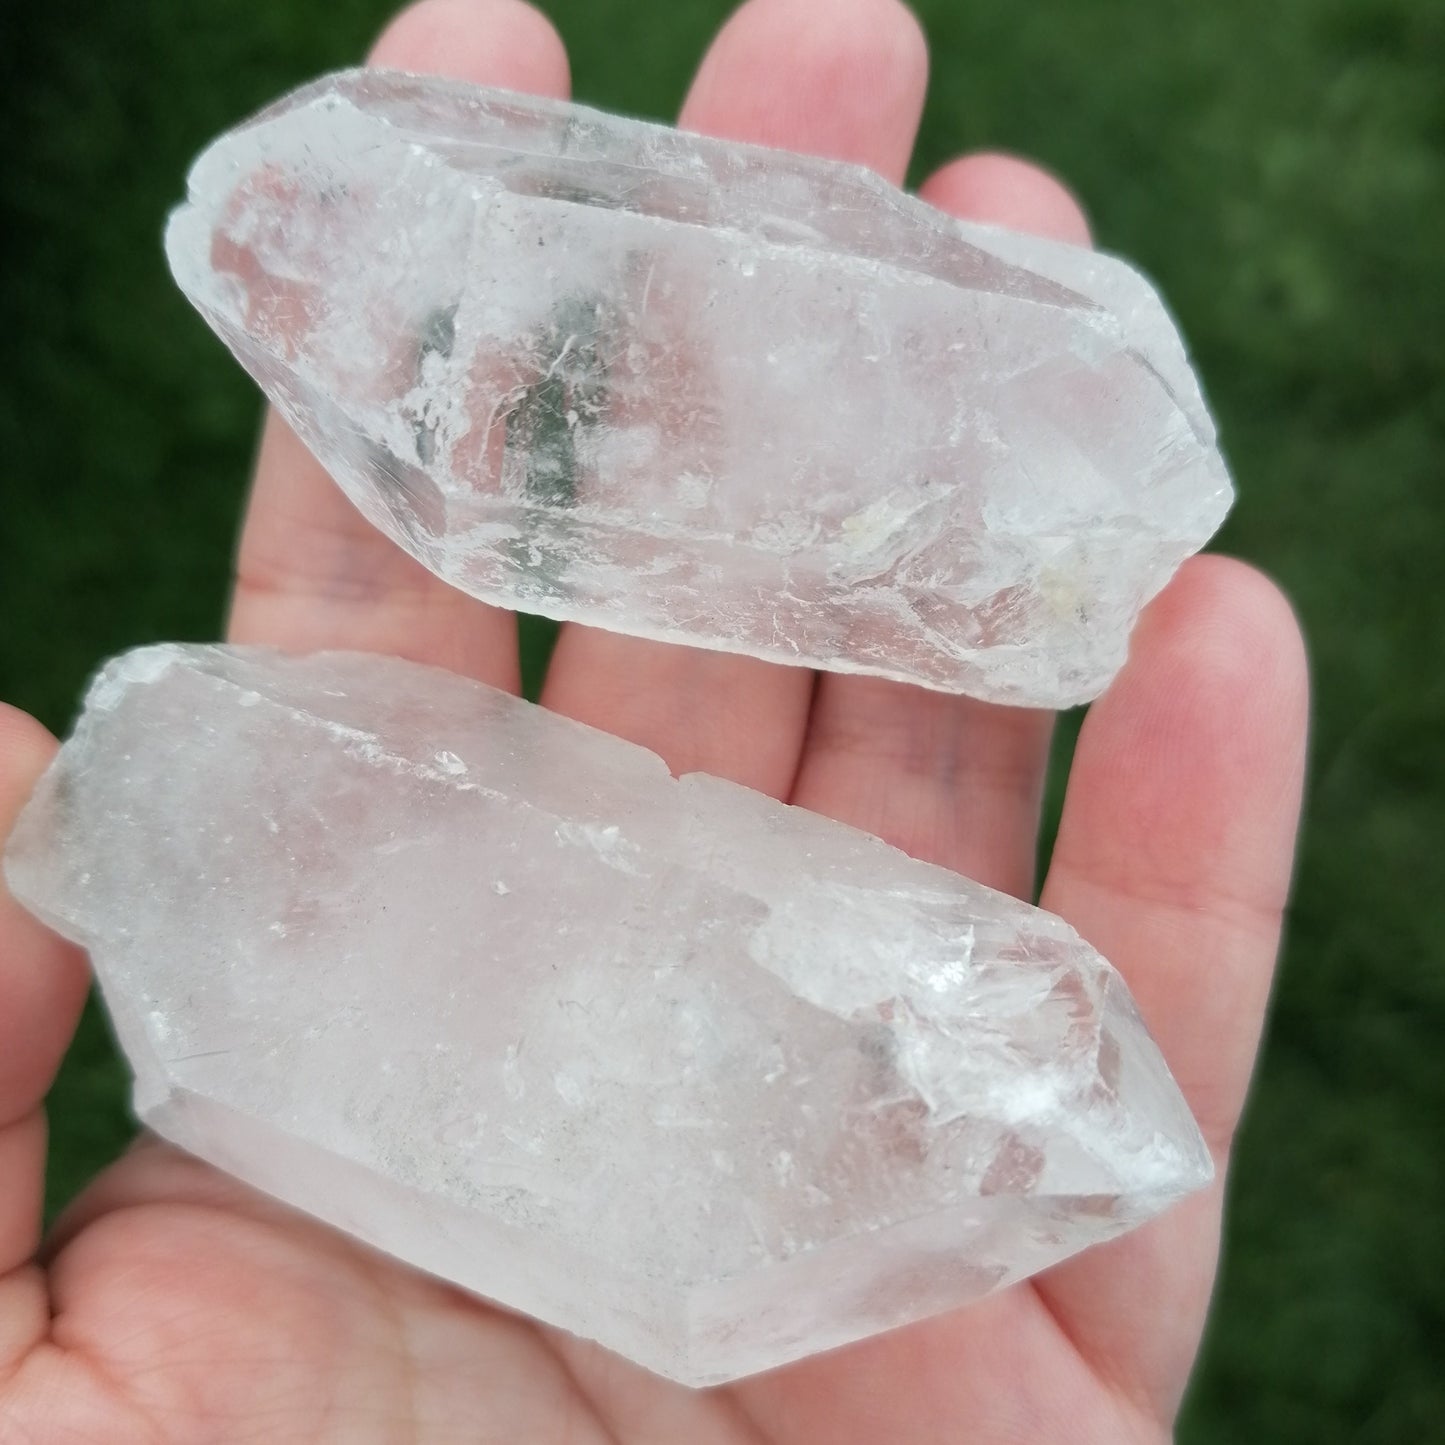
[
  {"x": 713, "y": 1080},
  {"x": 709, "y": 393}
]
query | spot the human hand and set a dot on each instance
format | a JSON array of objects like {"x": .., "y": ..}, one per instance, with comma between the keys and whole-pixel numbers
[{"x": 173, "y": 1304}]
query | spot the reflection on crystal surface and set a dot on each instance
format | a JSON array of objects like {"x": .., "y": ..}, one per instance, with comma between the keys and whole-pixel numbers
[
  {"x": 715, "y": 1081},
  {"x": 716, "y": 394}
]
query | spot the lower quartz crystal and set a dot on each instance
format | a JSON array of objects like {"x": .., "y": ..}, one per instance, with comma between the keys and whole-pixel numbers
[{"x": 712, "y": 1080}]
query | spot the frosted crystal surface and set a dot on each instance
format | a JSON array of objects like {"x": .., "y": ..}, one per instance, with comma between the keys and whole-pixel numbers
[
  {"x": 715, "y": 1081},
  {"x": 710, "y": 393}
]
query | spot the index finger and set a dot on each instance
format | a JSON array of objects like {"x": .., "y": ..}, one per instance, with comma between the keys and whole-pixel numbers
[{"x": 312, "y": 572}]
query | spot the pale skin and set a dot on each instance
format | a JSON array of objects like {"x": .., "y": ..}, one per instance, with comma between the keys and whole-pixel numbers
[{"x": 174, "y": 1305}]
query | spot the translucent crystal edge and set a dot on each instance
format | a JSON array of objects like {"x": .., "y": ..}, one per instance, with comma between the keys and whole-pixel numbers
[{"x": 145, "y": 665}]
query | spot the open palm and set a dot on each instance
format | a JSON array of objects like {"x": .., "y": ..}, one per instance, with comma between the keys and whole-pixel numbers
[{"x": 175, "y": 1305}]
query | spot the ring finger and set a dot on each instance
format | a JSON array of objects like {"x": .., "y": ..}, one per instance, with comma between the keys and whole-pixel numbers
[{"x": 948, "y": 779}]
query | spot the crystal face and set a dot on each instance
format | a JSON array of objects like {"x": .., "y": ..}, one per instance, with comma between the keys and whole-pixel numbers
[
  {"x": 712, "y": 1080},
  {"x": 710, "y": 393}
]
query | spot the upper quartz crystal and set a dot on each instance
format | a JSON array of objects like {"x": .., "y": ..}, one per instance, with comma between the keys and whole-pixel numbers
[
  {"x": 710, "y": 393},
  {"x": 715, "y": 1081}
]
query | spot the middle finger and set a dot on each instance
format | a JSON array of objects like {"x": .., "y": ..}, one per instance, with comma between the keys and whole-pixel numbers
[{"x": 844, "y": 80}]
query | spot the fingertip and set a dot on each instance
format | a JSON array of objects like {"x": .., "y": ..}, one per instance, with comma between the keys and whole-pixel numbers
[
  {"x": 902, "y": 42},
  {"x": 1226, "y": 628},
  {"x": 1217, "y": 585},
  {"x": 506, "y": 43},
  {"x": 845, "y": 80},
  {"x": 26, "y": 748},
  {"x": 879, "y": 39},
  {"x": 1199, "y": 745},
  {"x": 1004, "y": 190}
]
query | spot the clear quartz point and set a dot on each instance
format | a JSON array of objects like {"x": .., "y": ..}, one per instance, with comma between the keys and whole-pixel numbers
[
  {"x": 710, "y": 393},
  {"x": 712, "y": 1080}
]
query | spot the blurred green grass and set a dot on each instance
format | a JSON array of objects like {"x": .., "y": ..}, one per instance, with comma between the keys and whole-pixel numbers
[{"x": 1280, "y": 171}]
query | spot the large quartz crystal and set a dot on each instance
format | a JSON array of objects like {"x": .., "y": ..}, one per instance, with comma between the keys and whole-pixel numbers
[
  {"x": 704, "y": 392},
  {"x": 712, "y": 1080}
]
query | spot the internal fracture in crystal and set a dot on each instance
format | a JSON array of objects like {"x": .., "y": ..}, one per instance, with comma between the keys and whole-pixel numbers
[
  {"x": 662, "y": 1062},
  {"x": 704, "y": 392}
]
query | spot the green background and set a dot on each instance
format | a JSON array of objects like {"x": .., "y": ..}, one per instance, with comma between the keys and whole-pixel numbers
[{"x": 1277, "y": 168}]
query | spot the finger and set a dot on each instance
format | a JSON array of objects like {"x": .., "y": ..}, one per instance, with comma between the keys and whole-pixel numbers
[
  {"x": 1176, "y": 842},
  {"x": 42, "y": 987},
  {"x": 844, "y": 80},
  {"x": 311, "y": 571},
  {"x": 1173, "y": 858},
  {"x": 948, "y": 779},
  {"x": 1006, "y": 191}
]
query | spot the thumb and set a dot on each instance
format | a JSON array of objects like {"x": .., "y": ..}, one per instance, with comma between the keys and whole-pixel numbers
[{"x": 42, "y": 987}]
